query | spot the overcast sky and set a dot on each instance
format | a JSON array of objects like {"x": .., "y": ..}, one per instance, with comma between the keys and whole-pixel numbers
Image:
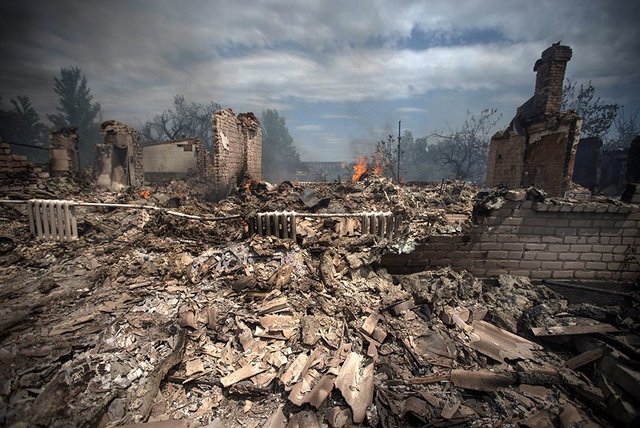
[{"x": 338, "y": 71}]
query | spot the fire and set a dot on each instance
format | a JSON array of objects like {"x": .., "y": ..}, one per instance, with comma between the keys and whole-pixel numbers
[
  {"x": 247, "y": 185},
  {"x": 359, "y": 168},
  {"x": 379, "y": 162},
  {"x": 145, "y": 194}
]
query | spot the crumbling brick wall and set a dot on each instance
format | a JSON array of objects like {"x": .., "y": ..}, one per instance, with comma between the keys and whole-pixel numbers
[
  {"x": 550, "y": 69},
  {"x": 16, "y": 172},
  {"x": 588, "y": 165},
  {"x": 168, "y": 160},
  {"x": 539, "y": 146},
  {"x": 252, "y": 134},
  {"x": 569, "y": 241},
  {"x": 550, "y": 153},
  {"x": 64, "y": 155},
  {"x": 237, "y": 146},
  {"x": 121, "y": 149},
  {"x": 505, "y": 164}
]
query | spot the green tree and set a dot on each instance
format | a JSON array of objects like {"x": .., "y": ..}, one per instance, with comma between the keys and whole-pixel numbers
[
  {"x": 385, "y": 155},
  {"x": 22, "y": 125},
  {"x": 462, "y": 152},
  {"x": 75, "y": 108},
  {"x": 597, "y": 117},
  {"x": 185, "y": 120},
  {"x": 280, "y": 159},
  {"x": 422, "y": 161},
  {"x": 29, "y": 130}
]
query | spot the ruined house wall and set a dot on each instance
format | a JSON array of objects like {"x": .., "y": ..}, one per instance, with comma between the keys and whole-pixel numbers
[
  {"x": 16, "y": 172},
  {"x": 171, "y": 159},
  {"x": 505, "y": 164},
  {"x": 550, "y": 154},
  {"x": 252, "y": 134},
  {"x": 121, "y": 148},
  {"x": 588, "y": 164},
  {"x": 572, "y": 241},
  {"x": 539, "y": 147},
  {"x": 550, "y": 70},
  {"x": 64, "y": 155},
  {"x": 237, "y": 146}
]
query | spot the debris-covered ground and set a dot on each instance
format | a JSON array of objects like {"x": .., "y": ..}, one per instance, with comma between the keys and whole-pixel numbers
[{"x": 152, "y": 317}]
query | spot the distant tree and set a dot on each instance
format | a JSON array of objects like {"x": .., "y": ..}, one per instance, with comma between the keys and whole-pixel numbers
[
  {"x": 22, "y": 125},
  {"x": 597, "y": 117},
  {"x": 422, "y": 161},
  {"x": 385, "y": 155},
  {"x": 462, "y": 152},
  {"x": 280, "y": 159},
  {"x": 77, "y": 109},
  {"x": 185, "y": 120},
  {"x": 9, "y": 124},
  {"x": 29, "y": 130},
  {"x": 626, "y": 127}
]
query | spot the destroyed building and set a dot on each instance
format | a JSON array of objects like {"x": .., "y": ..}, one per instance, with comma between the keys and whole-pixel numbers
[
  {"x": 64, "y": 156},
  {"x": 168, "y": 160},
  {"x": 237, "y": 151},
  {"x": 119, "y": 159},
  {"x": 357, "y": 303},
  {"x": 539, "y": 146}
]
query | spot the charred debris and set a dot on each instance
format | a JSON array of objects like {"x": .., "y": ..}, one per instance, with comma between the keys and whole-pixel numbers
[
  {"x": 151, "y": 317},
  {"x": 361, "y": 303}
]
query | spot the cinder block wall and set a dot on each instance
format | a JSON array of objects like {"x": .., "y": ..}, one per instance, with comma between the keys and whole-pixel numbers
[{"x": 572, "y": 241}]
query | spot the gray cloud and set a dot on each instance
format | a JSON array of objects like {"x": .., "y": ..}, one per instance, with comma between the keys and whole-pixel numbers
[{"x": 138, "y": 54}]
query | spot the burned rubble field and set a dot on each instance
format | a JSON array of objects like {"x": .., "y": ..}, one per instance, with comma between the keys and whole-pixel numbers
[{"x": 151, "y": 317}]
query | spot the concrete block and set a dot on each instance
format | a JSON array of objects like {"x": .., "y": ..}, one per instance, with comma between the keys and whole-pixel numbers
[
  {"x": 568, "y": 256},
  {"x": 590, "y": 257},
  {"x": 513, "y": 246},
  {"x": 558, "y": 248},
  {"x": 551, "y": 265},
  {"x": 573, "y": 265},
  {"x": 583, "y": 274},
  {"x": 562, "y": 274},
  {"x": 596, "y": 266}
]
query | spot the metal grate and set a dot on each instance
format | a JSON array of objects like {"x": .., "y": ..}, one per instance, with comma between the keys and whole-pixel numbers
[
  {"x": 52, "y": 219},
  {"x": 283, "y": 224},
  {"x": 378, "y": 223},
  {"x": 278, "y": 224}
]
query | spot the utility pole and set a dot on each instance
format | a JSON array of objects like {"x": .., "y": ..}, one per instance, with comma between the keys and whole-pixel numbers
[{"x": 399, "y": 152}]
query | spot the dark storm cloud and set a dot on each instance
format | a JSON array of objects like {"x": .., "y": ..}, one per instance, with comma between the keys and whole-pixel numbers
[{"x": 287, "y": 54}]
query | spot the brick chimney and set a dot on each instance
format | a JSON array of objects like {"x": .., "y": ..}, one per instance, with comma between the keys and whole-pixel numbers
[{"x": 550, "y": 70}]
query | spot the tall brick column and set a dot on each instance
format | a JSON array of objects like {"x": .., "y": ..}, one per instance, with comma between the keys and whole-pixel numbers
[{"x": 550, "y": 69}]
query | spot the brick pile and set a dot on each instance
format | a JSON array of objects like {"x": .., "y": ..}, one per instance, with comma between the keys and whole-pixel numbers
[{"x": 16, "y": 172}]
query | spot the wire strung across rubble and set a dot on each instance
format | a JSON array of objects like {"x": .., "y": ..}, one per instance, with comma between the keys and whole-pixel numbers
[{"x": 196, "y": 217}]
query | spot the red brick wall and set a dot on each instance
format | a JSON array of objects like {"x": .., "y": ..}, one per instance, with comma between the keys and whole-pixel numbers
[{"x": 505, "y": 162}]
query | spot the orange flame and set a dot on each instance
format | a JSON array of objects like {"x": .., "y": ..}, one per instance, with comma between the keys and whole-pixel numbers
[
  {"x": 145, "y": 194},
  {"x": 359, "y": 168},
  {"x": 247, "y": 185},
  {"x": 377, "y": 170}
]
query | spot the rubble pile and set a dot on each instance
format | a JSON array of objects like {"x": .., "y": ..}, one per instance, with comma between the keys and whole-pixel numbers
[
  {"x": 149, "y": 317},
  {"x": 16, "y": 172}
]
